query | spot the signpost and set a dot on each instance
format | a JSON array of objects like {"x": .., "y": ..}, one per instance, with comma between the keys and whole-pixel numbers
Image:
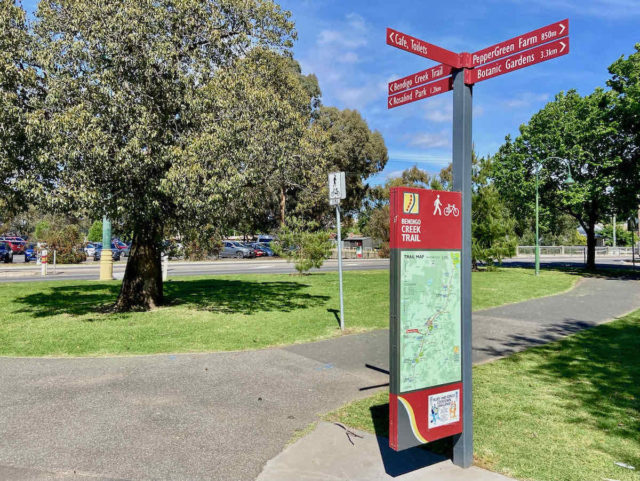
[
  {"x": 430, "y": 314},
  {"x": 521, "y": 60},
  {"x": 419, "y": 78},
  {"x": 420, "y": 47},
  {"x": 426, "y": 392},
  {"x": 337, "y": 192},
  {"x": 419, "y": 93},
  {"x": 521, "y": 42}
]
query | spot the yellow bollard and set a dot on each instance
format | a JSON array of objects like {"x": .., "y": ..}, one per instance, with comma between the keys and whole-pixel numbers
[{"x": 106, "y": 265}]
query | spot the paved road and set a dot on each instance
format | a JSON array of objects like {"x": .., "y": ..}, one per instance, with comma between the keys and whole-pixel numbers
[
  {"x": 20, "y": 272},
  {"x": 90, "y": 271},
  {"x": 222, "y": 416}
]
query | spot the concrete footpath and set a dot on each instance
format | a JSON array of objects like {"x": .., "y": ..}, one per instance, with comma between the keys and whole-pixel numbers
[
  {"x": 224, "y": 416},
  {"x": 327, "y": 454}
]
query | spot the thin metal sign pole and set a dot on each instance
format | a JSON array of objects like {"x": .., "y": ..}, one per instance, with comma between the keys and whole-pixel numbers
[
  {"x": 462, "y": 145},
  {"x": 340, "y": 268}
]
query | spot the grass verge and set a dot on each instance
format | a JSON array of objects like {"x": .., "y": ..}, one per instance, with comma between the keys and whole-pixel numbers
[
  {"x": 567, "y": 411},
  {"x": 221, "y": 313}
]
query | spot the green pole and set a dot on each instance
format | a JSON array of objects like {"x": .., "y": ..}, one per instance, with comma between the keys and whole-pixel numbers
[
  {"x": 106, "y": 233},
  {"x": 537, "y": 236}
]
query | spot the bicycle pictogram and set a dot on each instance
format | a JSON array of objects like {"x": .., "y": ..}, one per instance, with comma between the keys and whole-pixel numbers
[{"x": 451, "y": 209}]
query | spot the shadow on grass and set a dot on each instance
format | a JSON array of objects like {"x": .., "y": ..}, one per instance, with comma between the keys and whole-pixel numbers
[
  {"x": 215, "y": 295},
  {"x": 602, "y": 366}
]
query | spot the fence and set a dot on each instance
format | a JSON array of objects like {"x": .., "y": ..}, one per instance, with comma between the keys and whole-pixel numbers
[
  {"x": 353, "y": 254},
  {"x": 573, "y": 251}
]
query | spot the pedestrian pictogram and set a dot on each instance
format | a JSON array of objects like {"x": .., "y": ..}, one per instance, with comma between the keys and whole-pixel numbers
[{"x": 436, "y": 205}]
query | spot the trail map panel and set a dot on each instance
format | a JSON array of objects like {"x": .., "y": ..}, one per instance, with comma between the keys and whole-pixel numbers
[{"x": 430, "y": 319}]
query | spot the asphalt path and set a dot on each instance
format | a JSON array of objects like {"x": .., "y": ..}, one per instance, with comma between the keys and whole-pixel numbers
[{"x": 222, "y": 416}]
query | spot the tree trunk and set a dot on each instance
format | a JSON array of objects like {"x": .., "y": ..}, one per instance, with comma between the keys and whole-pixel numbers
[
  {"x": 591, "y": 247},
  {"x": 283, "y": 204},
  {"x": 142, "y": 284}
]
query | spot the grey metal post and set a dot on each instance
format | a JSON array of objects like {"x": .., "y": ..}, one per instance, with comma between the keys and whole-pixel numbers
[
  {"x": 340, "y": 268},
  {"x": 462, "y": 145}
]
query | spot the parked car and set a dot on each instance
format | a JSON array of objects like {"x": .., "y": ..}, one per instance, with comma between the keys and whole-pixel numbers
[
  {"x": 123, "y": 247},
  {"x": 115, "y": 253},
  {"x": 264, "y": 249},
  {"x": 236, "y": 249},
  {"x": 6, "y": 253},
  {"x": 31, "y": 253},
  {"x": 16, "y": 244},
  {"x": 90, "y": 249},
  {"x": 264, "y": 239}
]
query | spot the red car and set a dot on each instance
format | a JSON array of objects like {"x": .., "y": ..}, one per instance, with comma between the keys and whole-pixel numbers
[{"x": 17, "y": 244}]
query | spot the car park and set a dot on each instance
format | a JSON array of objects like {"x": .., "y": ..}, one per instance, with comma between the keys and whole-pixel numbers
[
  {"x": 236, "y": 249},
  {"x": 6, "y": 253}
]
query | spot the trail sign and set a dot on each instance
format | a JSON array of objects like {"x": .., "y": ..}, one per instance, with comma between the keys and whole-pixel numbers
[
  {"x": 430, "y": 386},
  {"x": 420, "y": 47},
  {"x": 525, "y": 59},
  {"x": 419, "y": 78},
  {"x": 426, "y": 392},
  {"x": 429, "y": 90},
  {"x": 521, "y": 42}
]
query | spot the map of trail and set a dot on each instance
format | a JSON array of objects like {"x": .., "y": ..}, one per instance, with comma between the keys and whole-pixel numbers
[{"x": 430, "y": 327}]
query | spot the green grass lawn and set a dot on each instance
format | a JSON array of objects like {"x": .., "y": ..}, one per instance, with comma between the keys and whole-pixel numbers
[
  {"x": 567, "y": 411},
  {"x": 221, "y": 313}
]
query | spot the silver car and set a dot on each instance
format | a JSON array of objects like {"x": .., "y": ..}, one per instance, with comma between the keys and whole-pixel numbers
[{"x": 237, "y": 250}]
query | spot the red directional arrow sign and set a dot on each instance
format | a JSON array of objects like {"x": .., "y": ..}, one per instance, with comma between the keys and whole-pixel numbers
[
  {"x": 424, "y": 49},
  {"x": 419, "y": 78},
  {"x": 520, "y": 43},
  {"x": 419, "y": 93},
  {"x": 524, "y": 59}
]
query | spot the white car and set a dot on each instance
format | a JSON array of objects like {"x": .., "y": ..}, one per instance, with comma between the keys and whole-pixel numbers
[{"x": 90, "y": 250}]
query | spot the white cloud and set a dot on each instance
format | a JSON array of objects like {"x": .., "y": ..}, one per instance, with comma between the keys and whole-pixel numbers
[
  {"x": 525, "y": 99},
  {"x": 348, "y": 57},
  {"x": 439, "y": 109},
  {"x": 357, "y": 22},
  {"x": 432, "y": 139}
]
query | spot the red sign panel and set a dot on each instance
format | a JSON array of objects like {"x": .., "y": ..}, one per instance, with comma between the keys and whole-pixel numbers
[
  {"x": 422, "y": 48},
  {"x": 411, "y": 415},
  {"x": 520, "y": 43},
  {"x": 434, "y": 88},
  {"x": 425, "y": 219},
  {"x": 524, "y": 59},
  {"x": 419, "y": 78}
]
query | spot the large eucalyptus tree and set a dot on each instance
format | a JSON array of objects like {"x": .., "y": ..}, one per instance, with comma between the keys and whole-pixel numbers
[{"x": 143, "y": 116}]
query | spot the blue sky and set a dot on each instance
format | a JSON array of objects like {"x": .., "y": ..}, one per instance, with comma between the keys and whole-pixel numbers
[{"x": 343, "y": 43}]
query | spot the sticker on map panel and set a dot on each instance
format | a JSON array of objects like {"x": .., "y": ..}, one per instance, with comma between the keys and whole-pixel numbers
[
  {"x": 411, "y": 204},
  {"x": 444, "y": 408}
]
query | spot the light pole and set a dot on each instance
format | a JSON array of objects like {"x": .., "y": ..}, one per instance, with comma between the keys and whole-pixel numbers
[{"x": 569, "y": 180}]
